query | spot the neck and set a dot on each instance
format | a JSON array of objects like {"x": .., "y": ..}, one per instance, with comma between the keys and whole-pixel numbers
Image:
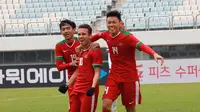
[
  {"x": 115, "y": 34},
  {"x": 71, "y": 40},
  {"x": 86, "y": 46}
]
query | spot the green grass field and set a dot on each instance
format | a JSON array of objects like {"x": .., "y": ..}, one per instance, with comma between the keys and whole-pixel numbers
[{"x": 156, "y": 98}]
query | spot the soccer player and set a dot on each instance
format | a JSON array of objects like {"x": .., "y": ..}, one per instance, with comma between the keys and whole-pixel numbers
[
  {"x": 86, "y": 88},
  {"x": 114, "y": 104},
  {"x": 65, "y": 54},
  {"x": 123, "y": 77}
]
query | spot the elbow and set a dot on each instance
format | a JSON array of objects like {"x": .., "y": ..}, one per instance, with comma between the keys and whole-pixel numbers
[{"x": 58, "y": 68}]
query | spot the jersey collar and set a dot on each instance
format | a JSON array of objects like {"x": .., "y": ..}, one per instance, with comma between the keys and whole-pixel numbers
[
  {"x": 116, "y": 35},
  {"x": 69, "y": 45}
]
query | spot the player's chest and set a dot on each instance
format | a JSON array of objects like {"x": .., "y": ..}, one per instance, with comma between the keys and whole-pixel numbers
[
  {"x": 69, "y": 52},
  {"x": 118, "y": 46},
  {"x": 85, "y": 59}
]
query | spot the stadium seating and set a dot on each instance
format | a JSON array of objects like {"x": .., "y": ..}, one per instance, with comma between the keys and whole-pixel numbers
[
  {"x": 160, "y": 13},
  {"x": 29, "y": 17},
  {"x": 37, "y": 15}
]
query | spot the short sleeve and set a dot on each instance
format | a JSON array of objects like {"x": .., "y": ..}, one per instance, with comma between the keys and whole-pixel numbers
[
  {"x": 134, "y": 42},
  {"x": 97, "y": 58},
  {"x": 58, "y": 53}
]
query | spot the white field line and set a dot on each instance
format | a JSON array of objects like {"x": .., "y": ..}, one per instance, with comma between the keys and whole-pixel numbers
[{"x": 35, "y": 97}]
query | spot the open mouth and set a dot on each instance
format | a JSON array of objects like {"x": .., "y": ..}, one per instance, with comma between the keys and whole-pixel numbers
[
  {"x": 66, "y": 35},
  {"x": 111, "y": 29}
]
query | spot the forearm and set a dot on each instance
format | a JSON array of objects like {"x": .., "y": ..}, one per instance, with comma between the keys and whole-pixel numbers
[
  {"x": 63, "y": 66},
  {"x": 72, "y": 78},
  {"x": 96, "y": 78},
  {"x": 95, "y": 37},
  {"x": 147, "y": 49}
]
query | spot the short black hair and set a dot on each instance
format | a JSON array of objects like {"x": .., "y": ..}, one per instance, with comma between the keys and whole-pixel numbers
[
  {"x": 86, "y": 26},
  {"x": 66, "y": 21},
  {"x": 114, "y": 13}
]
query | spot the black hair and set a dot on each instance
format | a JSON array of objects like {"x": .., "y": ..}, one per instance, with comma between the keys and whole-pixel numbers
[
  {"x": 66, "y": 21},
  {"x": 114, "y": 13},
  {"x": 86, "y": 26}
]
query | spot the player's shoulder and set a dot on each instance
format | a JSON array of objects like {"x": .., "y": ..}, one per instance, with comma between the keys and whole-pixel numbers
[
  {"x": 104, "y": 33},
  {"x": 94, "y": 46},
  {"x": 61, "y": 42},
  {"x": 126, "y": 33}
]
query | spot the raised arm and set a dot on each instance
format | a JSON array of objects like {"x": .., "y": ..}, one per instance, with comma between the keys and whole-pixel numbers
[
  {"x": 96, "y": 37},
  {"x": 142, "y": 47}
]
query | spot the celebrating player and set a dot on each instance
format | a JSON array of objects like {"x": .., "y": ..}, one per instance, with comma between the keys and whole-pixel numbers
[
  {"x": 66, "y": 55},
  {"x": 86, "y": 88},
  {"x": 123, "y": 77},
  {"x": 65, "y": 49}
]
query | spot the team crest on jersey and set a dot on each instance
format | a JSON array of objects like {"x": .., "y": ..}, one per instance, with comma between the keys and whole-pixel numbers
[
  {"x": 121, "y": 44},
  {"x": 86, "y": 56}
]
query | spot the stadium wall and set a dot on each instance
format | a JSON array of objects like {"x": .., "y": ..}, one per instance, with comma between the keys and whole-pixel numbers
[{"x": 153, "y": 38}]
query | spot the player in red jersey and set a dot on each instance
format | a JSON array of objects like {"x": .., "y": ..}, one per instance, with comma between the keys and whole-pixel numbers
[
  {"x": 65, "y": 54},
  {"x": 123, "y": 77},
  {"x": 86, "y": 88},
  {"x": 114, "y": 104}
]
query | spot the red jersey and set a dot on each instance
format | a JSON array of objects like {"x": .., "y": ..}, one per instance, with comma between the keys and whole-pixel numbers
[
  {"x": 65, "y": 54},
  {"x": 122, "y": 53},
  {"x": 88, "y": 60}
]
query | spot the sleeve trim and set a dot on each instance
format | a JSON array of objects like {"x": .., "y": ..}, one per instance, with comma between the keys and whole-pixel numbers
[
  {"x": 97, "y": 66},
  {"x": 59, "y": 58},
  {"x": 138, "y": 45}
]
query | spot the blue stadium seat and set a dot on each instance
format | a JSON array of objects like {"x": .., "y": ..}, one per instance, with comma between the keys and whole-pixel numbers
[
  {"x": 62, "y": 4},
  {"x": 88, "y": 3},
  {"x": 35, "y": 1},
  {"x": 50, "y": 9},
  {"x": 78, "y": 13},
  {"x": 82, "y": 3},
  {"x": 69, "y": 3},
  {"x": 37, "y": 10},
  {"x": 49, "y": 4},
  {"x": 31, "y": 10},
  {"x": 57, "y": 9},
  {"x": 29, "y": 5},
  {"x": 77, "y": 8},
  {"x": 36, "y": 5},
  {"x": 70, "y": 8},
  {"x": 43, "y": 10},
  {"x": 28, "y": 1},
  {"x": 64, "y": 9},
  {"x": 56, "y": 4},
  {"x": 83, "y": 8}
]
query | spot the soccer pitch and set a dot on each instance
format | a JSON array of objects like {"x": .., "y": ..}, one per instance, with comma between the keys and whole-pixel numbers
[{"x": 156, "y": 98}]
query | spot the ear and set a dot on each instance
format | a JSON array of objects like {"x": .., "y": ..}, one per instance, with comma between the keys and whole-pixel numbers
[
  {"x": 74, "y": 30},
  {"x": 61, "y": 31},
  {"x": 90, "y": 36}
]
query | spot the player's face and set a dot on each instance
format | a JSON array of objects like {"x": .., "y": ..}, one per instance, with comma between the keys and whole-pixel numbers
[
  {"x": 113, "y": 25},
  {"x": 84, "y": 37},
  {"x": 67, "y": 31}
]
